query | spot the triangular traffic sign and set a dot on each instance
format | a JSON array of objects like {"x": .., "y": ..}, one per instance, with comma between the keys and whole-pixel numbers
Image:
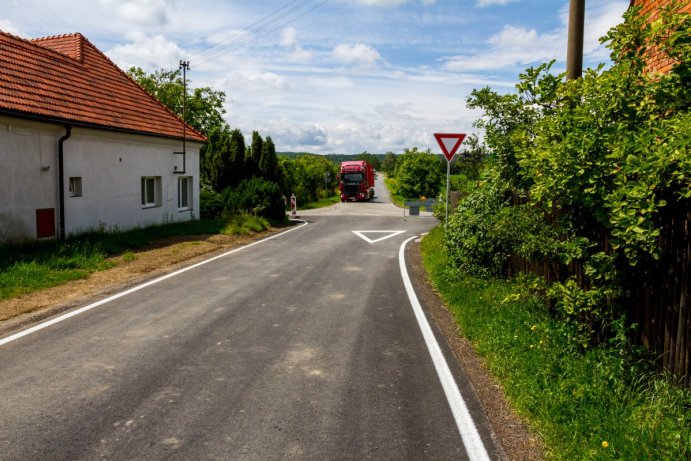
[
  {"x": 449, "y": 143},
  {"x": 389, "y": 234}
]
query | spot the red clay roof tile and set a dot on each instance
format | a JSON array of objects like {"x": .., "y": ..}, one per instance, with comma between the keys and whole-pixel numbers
[{"x": 67, "y": 78}]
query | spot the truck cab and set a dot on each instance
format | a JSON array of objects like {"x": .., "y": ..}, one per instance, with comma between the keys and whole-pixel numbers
[{"x": 356, "y": 181}]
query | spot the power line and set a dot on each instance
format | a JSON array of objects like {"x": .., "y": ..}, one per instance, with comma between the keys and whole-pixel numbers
[
  {"x": 189, "y": 42},
  {"x": 240, "y": 42},
  {"x": 251, "y": 28},
  {"x": 245, "y": 39}
]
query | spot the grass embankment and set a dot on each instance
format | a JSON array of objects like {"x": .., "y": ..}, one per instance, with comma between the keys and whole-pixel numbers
[
  {"x": 586, "y": 406},
  {"x": 391, "y": 186},
  {"x": 320, "y": 204},
  {"x": 24, "y": 269}
]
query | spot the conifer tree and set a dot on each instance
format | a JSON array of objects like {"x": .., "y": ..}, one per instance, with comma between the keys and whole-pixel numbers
[
  {"x": 253, "y": 156},
  {"x": 268, "y": 165},
  {"x": 237, "y": 157}
]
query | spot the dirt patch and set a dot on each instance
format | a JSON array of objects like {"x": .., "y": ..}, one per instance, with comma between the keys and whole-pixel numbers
[{"x": 166, "y": 255}]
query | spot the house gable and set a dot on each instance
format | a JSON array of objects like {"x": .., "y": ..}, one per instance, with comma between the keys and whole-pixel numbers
[{"x": 66, "y": 79}]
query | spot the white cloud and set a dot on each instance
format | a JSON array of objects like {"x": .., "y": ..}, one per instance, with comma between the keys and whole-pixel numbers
[
  {"x": 518, "y": 46},
  {"x": 289, "y": 37},
  {"x": 484, "y": 3},
  {"x": 254, "y": 82},
  {"x": 356, "y": 53},
  {"x": 511, "y": 47},
  {"x": 149, "y": 52},
  {"x": 386, "y": 3},
  {"x": 144, "y": 12},
  {"x": 289, "y": 40},
  {"x": 333, "y": 83},
  {"x": 382, "y": 2},
  {"x": 229, "y": 36},
  {"x": 599, "y": 19},
  {"x": 7, "y": 26}
]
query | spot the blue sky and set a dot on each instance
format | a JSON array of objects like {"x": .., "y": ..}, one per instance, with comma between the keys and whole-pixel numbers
[{"x": 327, "y": 76}]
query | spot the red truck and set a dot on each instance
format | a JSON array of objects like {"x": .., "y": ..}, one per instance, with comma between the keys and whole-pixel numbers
[{"x": 356, "y": 180}]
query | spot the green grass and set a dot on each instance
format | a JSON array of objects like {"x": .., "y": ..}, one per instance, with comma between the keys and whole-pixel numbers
[
  {"x": 320, "y": 204},
  {"x": 24, "y": 269},
  {"x": 586, "y": 406},
  {"x": 391, "y": 186}
]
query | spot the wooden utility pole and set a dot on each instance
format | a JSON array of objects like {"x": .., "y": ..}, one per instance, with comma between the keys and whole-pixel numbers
[{"x": 574, "y": 53}]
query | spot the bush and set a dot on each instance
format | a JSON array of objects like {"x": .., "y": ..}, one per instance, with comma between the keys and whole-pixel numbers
[
  {"x": 488, "y": 228},
  {"x": 418, "y": 174},
  {"x": 211, "y": 204},
  {"x": 256, "y": 196}
]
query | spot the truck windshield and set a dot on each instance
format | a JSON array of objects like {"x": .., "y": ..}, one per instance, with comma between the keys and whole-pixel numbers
[{"x": 352, "y": 177}]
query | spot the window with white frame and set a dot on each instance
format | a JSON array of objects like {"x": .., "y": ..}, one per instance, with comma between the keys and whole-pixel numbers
[
  {"x": 151, "y": 191},
  {"x": 184, "y": 192},
  {"x": 75, "y": 186}
]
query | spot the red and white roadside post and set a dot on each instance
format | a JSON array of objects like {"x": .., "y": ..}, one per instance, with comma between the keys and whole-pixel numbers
[
  {"x": 449, "y": 143},
  {"x": 293, "y": 206}
]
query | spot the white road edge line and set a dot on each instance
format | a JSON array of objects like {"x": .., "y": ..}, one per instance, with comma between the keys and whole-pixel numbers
[
  {"x": 81, "y": 310},
  {"x": 466, "y": 426}
]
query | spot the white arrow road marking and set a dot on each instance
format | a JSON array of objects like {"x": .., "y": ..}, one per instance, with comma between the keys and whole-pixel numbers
[{"x": 390, "y": 233}]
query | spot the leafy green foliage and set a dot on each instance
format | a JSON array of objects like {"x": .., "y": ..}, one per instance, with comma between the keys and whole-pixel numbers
[
  {"x": 598, "y": 158},
  {"x": 256, "y": 196},
  {"x": 204, "y": 109},
  {"x": 594, "y": 404},
  {"x": 419, "y": 174},
  {"x": 388, "y": 164},
  {"x": 254, "y": 155},
  {"x": 211, "y": 203},
  {"x": 310, "y": 177},
  {"x": 486, "y": 229},
  {"x": 469, "y": 162},
  {"x": 268, "y": 163}
]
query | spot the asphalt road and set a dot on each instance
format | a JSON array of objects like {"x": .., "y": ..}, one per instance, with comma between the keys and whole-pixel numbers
[{"x": 304, "y": 346}]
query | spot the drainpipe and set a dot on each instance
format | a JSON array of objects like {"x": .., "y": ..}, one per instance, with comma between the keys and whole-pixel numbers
[{"x": 61, "y": 180}]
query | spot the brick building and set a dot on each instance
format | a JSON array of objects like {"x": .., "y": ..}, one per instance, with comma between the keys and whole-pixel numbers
[{"x": 651, "y": 8}]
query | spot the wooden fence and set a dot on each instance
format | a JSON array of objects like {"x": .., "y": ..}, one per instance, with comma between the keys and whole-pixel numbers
[{"x": 657, "y": 292}]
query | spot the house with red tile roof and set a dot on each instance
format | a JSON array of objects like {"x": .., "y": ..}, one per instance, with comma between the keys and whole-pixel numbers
[{"x": 83, "y": 146}]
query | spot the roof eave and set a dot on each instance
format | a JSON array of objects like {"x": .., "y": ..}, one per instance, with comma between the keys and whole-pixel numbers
[{"x": 61, "y": 121}]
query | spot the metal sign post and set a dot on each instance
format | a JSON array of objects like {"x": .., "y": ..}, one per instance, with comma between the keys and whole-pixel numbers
[
  {"x": 448, "y": 186},
  {"x": 449, "y": 143}
]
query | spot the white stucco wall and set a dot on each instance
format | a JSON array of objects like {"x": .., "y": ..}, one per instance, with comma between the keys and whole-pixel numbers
[
  {"x": 111, "y": 166},
  {"x": 28, "y": 169}
]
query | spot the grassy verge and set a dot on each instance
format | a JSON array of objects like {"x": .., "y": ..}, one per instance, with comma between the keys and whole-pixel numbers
[
  {"x": 586, "y": 406},
  {"x": 391, "y": 186},
  {"x": 24, "y": 269},
  {"x": 320, "y": 204}
]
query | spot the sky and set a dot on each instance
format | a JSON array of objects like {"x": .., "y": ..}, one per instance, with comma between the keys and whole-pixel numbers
[{"x": 331, "y": 76}]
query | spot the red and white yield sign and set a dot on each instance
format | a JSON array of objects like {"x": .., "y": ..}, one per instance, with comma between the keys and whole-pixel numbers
[{"x": 449, "y": 143}]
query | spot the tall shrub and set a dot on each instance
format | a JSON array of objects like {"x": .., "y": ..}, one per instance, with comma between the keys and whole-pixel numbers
[{"x": 606, "y": 154}]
